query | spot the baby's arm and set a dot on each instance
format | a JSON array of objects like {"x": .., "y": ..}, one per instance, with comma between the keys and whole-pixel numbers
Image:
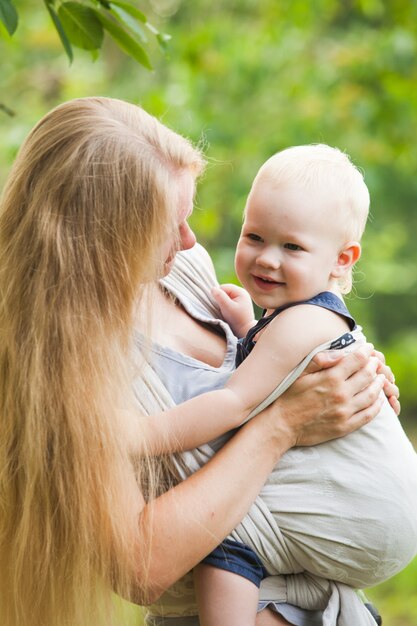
[
  {"x": 236, "y": 307},
  {"x": 283, "y": 344},
  {"x": 194, "y": 422}
]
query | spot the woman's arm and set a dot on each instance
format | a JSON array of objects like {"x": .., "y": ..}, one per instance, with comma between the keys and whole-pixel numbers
[{"x": 186, "y": 523}]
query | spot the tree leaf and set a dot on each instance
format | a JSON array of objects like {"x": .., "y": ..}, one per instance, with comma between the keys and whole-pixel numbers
[
  {"x": 81, "y": 25},
  {"x": 124, "y": 40},
  {"x": 59, "y": 28},
  {"x": 163, "y": 39},
  {"x": 5, "y": 108},
  {"x": 94, "y": 55},
  {"x": 132, "y": 10},
  {"x": 105, "y": 3},
  {"x": 8, "y": 15},
  {"x": 127, "y": 20}
]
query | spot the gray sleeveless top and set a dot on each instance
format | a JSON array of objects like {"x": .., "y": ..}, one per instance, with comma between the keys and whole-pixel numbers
[{"x": 186, "y": 377}]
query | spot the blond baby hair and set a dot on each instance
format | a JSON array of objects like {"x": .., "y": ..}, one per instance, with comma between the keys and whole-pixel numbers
[{"x": 329, "y": 171}]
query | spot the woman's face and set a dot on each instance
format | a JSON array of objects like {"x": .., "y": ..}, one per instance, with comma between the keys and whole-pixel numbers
[{"x": 183, "y": 238}]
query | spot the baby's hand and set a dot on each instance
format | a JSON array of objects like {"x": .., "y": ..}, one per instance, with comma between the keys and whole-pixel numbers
[{"x": 236, "y": 307}]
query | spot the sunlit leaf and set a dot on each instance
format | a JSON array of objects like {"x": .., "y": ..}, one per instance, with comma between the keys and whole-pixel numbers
[
  {"x": 124, "y": 40},
  {"x": 81, "y": 25},
  {"x": 130, "y": 9},
  {"x": 8, "y": 15},
  {"x": 163, "y": 39},
  {"x": 61, "y": 32},
  {"x": 127, "y": 20}
]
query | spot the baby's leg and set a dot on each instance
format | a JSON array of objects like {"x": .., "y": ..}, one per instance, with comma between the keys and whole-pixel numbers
[
  {"x": 225, "y": 598},
  {"x": 270, "y": 618}
]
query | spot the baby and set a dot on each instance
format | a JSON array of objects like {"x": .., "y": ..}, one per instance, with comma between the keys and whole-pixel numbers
[
  {"x": 304, "y": 219},
  {"x": 345, "y": 510}
]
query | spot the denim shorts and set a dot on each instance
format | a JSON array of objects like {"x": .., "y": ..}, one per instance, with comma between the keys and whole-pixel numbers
[{"x": 237, "y": 558}]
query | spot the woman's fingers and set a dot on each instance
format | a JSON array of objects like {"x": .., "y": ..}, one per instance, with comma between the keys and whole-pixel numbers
[
  {"x": 361, "y": 367},
  {"x": 345, "y": 395},
  {"x": 385, "y": 369},
  {"x": 380, "y": 356},
  {"x": 391, "y": 389},
  {"x": 369, "y": 397},
  {"x": 395, "y": 404},
  {"x": 364, "y": 375},
  {"x": 366, "y": 415},
  {"x": 349, "y": 377},
  {"x": 349, "y": 363}
]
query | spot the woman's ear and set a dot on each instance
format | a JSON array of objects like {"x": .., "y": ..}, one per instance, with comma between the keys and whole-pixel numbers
[{"x": 346, "y": 259}]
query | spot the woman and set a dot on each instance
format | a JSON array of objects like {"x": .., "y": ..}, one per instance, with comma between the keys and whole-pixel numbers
[{"x": 95, "y": 209}]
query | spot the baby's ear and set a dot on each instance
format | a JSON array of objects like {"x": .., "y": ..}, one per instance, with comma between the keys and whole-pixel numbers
[{"x": 346, "y": 259}]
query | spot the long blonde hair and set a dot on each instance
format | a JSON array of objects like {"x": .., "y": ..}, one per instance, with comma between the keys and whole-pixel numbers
[{"x": 89, "y": 202}]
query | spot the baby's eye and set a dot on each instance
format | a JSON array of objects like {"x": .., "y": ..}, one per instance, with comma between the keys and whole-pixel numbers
[
  {"x": 292, "y": 246},
  {"x": 254, "y": 237}
]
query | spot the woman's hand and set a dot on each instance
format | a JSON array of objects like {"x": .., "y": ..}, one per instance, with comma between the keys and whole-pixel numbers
[
  {"x": 343, "y": 395},
  {"x": 390, "y": 388}
]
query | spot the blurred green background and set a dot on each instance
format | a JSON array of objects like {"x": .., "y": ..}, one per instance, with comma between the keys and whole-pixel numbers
[{"x": 246, "y": 78}]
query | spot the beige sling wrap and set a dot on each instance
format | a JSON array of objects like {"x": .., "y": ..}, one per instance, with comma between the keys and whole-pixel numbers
[{"x": 308, "y": 518}]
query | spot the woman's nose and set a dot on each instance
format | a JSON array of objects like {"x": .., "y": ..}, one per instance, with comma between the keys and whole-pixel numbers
[{"x": 187, "y": 237}]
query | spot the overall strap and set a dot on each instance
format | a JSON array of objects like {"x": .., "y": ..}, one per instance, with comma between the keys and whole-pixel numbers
[{"x": 325, "y": 299}]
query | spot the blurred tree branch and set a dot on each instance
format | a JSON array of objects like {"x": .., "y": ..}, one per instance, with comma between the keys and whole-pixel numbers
[
  {"x": 84, "y": 24},
  {"x": 6, "y": 109}
]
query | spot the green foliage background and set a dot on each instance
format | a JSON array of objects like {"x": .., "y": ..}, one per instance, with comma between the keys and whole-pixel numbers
[{"x": 247, "y": 78}]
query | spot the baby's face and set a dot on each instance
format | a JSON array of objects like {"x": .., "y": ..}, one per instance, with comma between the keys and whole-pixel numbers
[{"x": 289, "y": 245}]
